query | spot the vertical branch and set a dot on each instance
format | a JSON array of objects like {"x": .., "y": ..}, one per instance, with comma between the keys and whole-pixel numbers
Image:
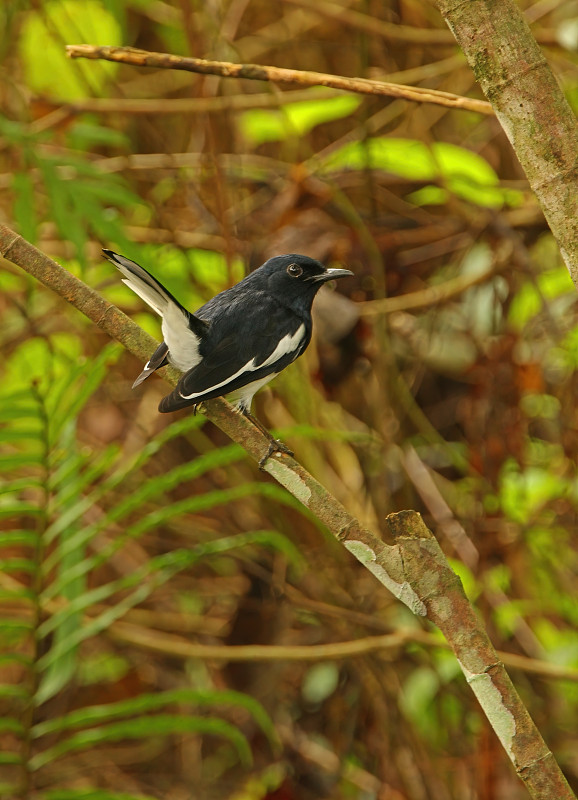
[{"x": 530, "y": 105}]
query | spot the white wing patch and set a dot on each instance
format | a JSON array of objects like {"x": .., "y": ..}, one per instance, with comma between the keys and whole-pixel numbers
[
  {"x": 288, "y": 344},
  {"x": 183, "y": 344}
]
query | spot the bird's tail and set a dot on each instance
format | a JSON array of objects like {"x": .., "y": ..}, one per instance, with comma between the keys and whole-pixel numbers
[{"x": 143, "y": 284}]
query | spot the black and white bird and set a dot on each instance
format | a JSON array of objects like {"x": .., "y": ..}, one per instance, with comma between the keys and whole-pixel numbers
[{"x": 240, "y": 339}]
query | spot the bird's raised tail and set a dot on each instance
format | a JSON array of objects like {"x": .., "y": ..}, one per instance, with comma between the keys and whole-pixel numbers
[
  {"x": 182, "y": 331},
  {"x": 143, "y": 284}
]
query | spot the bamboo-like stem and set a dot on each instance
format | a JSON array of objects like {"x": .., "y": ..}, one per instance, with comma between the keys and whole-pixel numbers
[
  {"x": 258, "y": 72},
  {"x": 414, "y": 568}
]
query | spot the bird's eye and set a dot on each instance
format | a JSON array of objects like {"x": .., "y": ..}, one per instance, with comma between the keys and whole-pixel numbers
[{"x": 294, "y": 270}]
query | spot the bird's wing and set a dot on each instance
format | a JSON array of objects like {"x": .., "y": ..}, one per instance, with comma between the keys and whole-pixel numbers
[{"x": 240, "y": 358}]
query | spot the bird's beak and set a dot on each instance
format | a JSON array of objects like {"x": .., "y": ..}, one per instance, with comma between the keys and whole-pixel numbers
[{"x": 331, "y": 274}]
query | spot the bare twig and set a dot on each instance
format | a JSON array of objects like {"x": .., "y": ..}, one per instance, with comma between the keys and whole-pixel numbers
[
  {"x": 179, "y": 647},
  {"x": 414, "y": 568},
  {"x": 257, "y": 72},
  {"x": 440, "y": 293},
  {"x": 154, "y": 631},
  {"x": 423, "y": 298}
]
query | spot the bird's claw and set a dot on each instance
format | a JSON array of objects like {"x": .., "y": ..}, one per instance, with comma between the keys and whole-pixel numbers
[{"x": 275, "y": 446}]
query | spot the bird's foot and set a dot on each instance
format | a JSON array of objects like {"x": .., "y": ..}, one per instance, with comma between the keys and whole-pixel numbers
[{"x": 275, "y": 446}]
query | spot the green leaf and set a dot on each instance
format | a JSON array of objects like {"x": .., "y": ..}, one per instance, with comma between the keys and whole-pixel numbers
[
  {"x": 307, "y": 114},
  {"x": 18, "y": 565},
  {"x": 14, "y": 692},
  {"x": 198, "y": 503},
  {"x": 530, "y": 299},
  {"x": 144, "y": 493},
  {"x": 111, "y": 192},
  {"x": 101, "y": 667},
  {"x": 523, "y": 493},
  {"x": 145, "y": 703},
  {"x": 61, "y": 655},
  {"x": 63, "y": 209},
  {"x": 15, "y": 658},
  {"x": 294, "y": 119},
  {"x": 320, "y": 682},
  {"x": 86, "y": 135},
  {"x": 24, "y": 206},
  {"x": 8, "y": 510},
  {"x": 145, "y": 727},
  {"x": 11, "y": 758},
  {"x": 471, "y": 586},
  {"x": 461, "y": 171},
  {"x": 10, "y": 725},
  {"x": 417, "y": 696},
  {"x": 43, "y": 36},
  {"x": 10, "y": 625},
  {"x": 8, "y": 463}
]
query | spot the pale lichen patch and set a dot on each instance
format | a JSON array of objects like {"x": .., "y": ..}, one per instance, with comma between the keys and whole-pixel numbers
[
  {"x": 443, "y": 608},
  {"x": 288, "y": 478},
  {"x": 402, "y": 591},
  {"x": 491, "y": 700}
]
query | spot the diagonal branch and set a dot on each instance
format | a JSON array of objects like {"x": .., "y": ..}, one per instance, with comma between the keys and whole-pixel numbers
[
  {"x": 258, "y": 72},
  {"x": 414, "y": 568}
]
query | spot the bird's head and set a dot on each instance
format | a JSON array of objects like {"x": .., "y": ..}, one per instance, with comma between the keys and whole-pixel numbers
[{"x": 297, "y": 278}]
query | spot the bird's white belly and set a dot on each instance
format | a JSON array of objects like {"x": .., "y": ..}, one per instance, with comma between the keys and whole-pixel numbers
[{"x": 243, "y": 397}]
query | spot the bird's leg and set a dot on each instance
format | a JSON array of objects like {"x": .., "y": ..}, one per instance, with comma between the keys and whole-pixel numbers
[{"x": 275, "y": 445}]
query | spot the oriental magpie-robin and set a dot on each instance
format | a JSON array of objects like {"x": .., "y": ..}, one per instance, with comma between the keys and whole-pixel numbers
[{"x": 240, "y": 339}]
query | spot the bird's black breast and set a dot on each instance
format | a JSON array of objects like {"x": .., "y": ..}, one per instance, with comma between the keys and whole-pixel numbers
[{"x": 250, "y": 335}]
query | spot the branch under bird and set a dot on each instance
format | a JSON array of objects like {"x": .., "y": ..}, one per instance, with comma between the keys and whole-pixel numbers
[{"x": 240, "y": 339}]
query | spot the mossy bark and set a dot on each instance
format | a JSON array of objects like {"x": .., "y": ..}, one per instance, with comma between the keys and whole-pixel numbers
[{"x": 531, "y": 107}]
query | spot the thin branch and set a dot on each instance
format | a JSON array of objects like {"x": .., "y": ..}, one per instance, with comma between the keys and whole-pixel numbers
[
  {"x": 257, "y": 72},
  {"x": 414, "y": 568},
  {"x": 423, "y": 298},
  {"x": 438, "y": 294},
  {"x": 154, "y": 631},
  {"x": 179, "y": 647}
]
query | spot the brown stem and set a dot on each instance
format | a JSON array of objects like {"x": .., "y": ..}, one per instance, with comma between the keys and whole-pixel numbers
[{"x": 257, "y": 72}]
